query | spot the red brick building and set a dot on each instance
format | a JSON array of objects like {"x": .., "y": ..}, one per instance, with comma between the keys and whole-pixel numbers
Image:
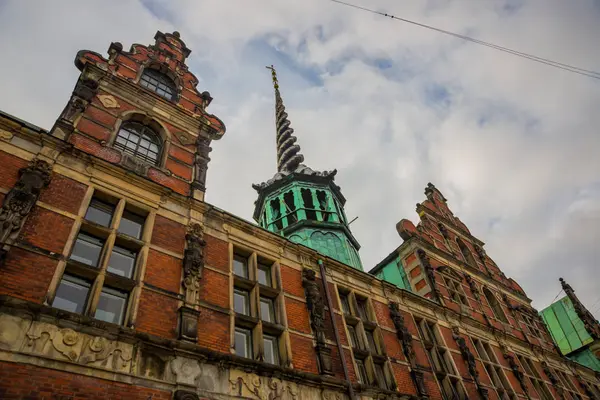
[{"x": 117, "y": 280}]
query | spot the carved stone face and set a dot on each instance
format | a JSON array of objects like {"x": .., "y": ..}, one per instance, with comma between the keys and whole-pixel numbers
[{"x": 309, "y": 274}]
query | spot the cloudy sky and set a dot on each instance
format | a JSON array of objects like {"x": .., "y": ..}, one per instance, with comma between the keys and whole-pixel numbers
[{"x": 514, "y": 145}]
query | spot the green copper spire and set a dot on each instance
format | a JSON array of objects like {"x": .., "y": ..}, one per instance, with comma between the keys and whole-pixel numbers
[
  {"x": 304, "y": 205},
  {"x": 288, "y": 153}
]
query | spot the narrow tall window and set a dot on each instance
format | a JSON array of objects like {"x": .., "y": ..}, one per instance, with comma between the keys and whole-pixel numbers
[
  {"x": 309, "y": 206},
  {"x": 466, "y": 253},
  {"x": 290, "y": 206},
  {"x": 140, "y": 141},
  {"x": 495, "y": 305},
  {"x": 159, "y": 83}
]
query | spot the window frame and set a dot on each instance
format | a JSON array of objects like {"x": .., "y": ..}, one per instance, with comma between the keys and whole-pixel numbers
[
  {"x": 100, "y": 278},
  {"x": 259, "y": 294},
  {"x": 161, "y": 78},
  {"x": 140, "y": 129}
]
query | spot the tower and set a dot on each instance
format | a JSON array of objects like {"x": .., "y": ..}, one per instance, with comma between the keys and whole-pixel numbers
[{"x": 304, "y": 205}]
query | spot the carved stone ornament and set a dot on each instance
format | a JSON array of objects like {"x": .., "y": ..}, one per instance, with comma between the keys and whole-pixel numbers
[
  {"x": 516, "y": 372},
  {"x": 591, "y": 324},
  {"x": 84, "y": 92},
  {"x": 429, "y": 272},
  {"x": 316, "y": 307},
  {"x": 473, "y": 287},
  {"x": 403, "y": 334},
  {"x": 469, "y": 359},
  {"x": 185, "y": 395},
  {"x": 553, "y": 379},
  {"x": 250, "y": 386},
  {"x": 108, "y": 101},
  {"x": 188, "y": 324},
  {"x": 201, "y": 161},
  {"x": 20, "y": 200},
  {"x": 193, "y": 262}
]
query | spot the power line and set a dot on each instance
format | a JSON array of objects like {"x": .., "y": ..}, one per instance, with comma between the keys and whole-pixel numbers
[{"x": 556, "y": 64}]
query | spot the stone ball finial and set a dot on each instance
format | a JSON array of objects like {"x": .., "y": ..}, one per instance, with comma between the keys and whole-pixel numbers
[{"x": 176, "y": 34}]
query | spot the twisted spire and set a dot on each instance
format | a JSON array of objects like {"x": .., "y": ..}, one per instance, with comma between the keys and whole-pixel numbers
[{"x": 288, "y": 153}]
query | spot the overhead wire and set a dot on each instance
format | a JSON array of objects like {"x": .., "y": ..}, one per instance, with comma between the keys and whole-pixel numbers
[{"x": 556, "y": 64}]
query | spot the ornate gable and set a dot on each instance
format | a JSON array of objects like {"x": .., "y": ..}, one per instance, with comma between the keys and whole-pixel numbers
[{"x": 167, "y": 55}]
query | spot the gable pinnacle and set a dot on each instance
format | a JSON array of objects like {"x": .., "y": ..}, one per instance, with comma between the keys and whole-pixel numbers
[{"x": 288, "y": 153}]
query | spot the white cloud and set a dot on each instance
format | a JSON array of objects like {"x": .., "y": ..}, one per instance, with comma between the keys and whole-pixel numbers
[{"x": 513, "y": 145}]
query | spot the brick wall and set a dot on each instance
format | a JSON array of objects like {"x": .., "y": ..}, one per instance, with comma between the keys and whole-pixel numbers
[
  {"x": 157, "y": 314},
  {"x": 168, "y": 234},
  {"x": 26, "y": 275},
  {"x": 163, "y": 271},
  {"x": 27, "y": 382},
  {"x": 213, "y": 330}
]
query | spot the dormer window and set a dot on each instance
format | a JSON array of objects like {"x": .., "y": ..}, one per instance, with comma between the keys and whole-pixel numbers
[
  {"x": 140, "y": 141},
  {"x": 159, "y": 83}
]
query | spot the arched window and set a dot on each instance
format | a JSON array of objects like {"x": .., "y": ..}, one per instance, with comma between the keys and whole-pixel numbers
[
  {"x": 159, "y": 83},
  {"x": 466, "y": 252},
  {"x": 495, "y": 305},
  {"x": 140, "y": 141}
]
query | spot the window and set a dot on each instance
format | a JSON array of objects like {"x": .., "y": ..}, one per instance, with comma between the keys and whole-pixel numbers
[
  {"x": 241, "y": 302},
  {"x": 87, "y": 249},
  {"x": 353, "y": 337},
  {"x": 71, "y": 294},
  {"x": 455, "y": 291},
  {"x": 362, "y": 309},
  {"x": 495, "y": 305},
  {"x": 240, "y": 266},
  {"x": 100, "y": 212},
  {"x": 257, "y": 297},
  {"x": 243, "y": 343},
  {"x": 380, "y": 375},
  {"x": 158, "y": 83},
  {"x": 267, "y": 310},
  {"x": 362, "y": 372},
  {"x": 532, "y": 326},
  {"x": 441, "y": 361},
  {"x": 122, "y": 262},
  {"x": 466, "y": 253},
  {"x": 264, "y": 275},
  {"x": 371, "y": 341},
  {"x": 271, "y": 352},
  {"x": 534, "y": 377},
  {"x": 345, "y": 303},
  {"x": 494, "y": 370},
  {"x": 131, "y": 224},
  {"x": 111, "y": 306},
  {"x": 365, "y": 340},
  {"x": 139, "y": 141},
  {"x": 100, "y": 272}
]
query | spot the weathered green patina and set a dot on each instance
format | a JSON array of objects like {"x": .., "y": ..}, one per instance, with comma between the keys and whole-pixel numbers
[
  {"x": 391, "y": 270},
  {"x": 301, "y": 204},
  {"x": 569, "y": 333}
]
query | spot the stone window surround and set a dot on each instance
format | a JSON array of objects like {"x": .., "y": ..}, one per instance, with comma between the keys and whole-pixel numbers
[
  {"x": 142, "y": 245},
  {"x": 492, "y": 362},
  {"x": 364, "y": 353},
  {"x": 455, "y": 290},
  {"x": 254, "y": 322},
  {"x": 438, "y": 344}
]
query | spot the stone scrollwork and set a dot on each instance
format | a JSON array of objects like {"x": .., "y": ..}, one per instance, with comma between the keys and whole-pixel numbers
[
  {"x": 316, "y": 307},
  {"x": 256, "y": 387},
  {"x": 50, "y": 341},
  {"x": 185, "y": 395},
  {"x": 20, "y": 200}
]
